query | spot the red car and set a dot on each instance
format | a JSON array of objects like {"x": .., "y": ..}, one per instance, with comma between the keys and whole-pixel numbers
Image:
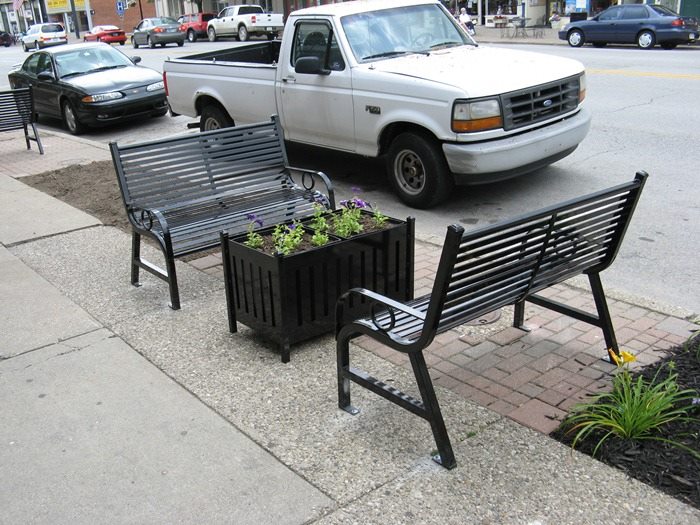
[
  {"x": 195, "y": 24},
  {"x": 108, "y": 34}
]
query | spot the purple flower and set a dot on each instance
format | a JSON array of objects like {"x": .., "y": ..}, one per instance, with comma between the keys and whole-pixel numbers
[{"x": 359, "y": 203}]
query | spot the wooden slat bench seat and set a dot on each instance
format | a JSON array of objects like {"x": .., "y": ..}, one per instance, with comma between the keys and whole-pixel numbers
[
  {"x": 17, "y": 112},
  {"x": 184, "y": 191},
  {"x": 486, "y": 269}
]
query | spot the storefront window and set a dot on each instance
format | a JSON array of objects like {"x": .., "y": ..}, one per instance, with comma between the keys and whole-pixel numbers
[{"x": 501, "y": 7}]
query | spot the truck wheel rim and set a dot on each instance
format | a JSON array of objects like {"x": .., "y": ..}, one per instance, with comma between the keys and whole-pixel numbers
[
  {"x": 409, "y": 172},
  {"x": 210, "y": 124}
]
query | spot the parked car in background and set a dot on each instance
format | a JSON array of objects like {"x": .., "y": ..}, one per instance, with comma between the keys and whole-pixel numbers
[
  {"x": 157, "y": 31},
  {"x": 6, "y": 39},
  {"x": 108, "y": 34},
  {"x": 241, "y": 21},
  {"x": 642, "y": 24},
  {"x": 195, "y": 25},
  {"x": 91, "y": 84},
  {"x": 40, "y": 36}
]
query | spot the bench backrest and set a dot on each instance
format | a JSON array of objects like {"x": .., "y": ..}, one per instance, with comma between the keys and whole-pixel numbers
[
  {"x": 247, "y": 159},
  {"x": 16, "y": 109},
  {"x": 499, "y": 265}
]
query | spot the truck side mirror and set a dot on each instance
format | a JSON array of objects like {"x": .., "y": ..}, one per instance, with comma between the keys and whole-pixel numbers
[{"x": 310, "y": 66}]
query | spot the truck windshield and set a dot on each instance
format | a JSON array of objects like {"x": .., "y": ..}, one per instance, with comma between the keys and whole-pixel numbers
[{"x": 398, "y": 31}]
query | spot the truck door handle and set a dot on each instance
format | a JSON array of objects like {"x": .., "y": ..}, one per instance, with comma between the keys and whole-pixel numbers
[{"x": 289, "y": 79}]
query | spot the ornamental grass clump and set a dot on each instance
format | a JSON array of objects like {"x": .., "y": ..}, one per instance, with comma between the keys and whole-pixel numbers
[{"x": 635, "y": 409}]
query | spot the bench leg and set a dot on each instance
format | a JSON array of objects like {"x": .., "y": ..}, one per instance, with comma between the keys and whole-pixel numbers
[
  {"x": 172, "y": 282},
  {"x": 343, "y": 357},
  {"x": 445, "y": 456},
  {"x": 284, "y": 349},
  {"x": 519, "y": 315},
  {"x": 603, "y": 313},
  {"x": 135, "y": 258}
]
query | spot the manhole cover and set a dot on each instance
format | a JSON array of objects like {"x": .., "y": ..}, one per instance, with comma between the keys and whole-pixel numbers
[{"x": 488, "y": 318}]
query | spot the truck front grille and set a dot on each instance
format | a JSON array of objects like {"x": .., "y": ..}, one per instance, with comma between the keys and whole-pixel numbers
[{"x": 532, "y": 105}]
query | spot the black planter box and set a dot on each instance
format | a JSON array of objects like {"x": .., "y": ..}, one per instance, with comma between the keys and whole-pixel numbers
[{"x": 292, "y": 298}]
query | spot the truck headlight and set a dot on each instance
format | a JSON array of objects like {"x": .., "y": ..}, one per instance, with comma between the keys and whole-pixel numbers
[
  {"x": 480, "y": 115},
  {"x": 102, "y": 97}
]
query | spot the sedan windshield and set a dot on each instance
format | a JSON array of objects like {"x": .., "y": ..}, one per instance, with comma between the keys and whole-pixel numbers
[
  {"x": 392, "y": 32},
  {"x": 89, "y": 60}
]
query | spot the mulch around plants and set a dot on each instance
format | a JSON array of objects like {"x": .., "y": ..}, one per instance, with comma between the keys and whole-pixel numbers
[
  {"x": 661, "y": 465},
  {"x": 93, "y": 188}
]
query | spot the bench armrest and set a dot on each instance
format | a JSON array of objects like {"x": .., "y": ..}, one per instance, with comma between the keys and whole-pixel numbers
[
  {"x": 145, "y": 218},
  {"x": 308, "y": 181},
  {"x": 379, "y": 302}
]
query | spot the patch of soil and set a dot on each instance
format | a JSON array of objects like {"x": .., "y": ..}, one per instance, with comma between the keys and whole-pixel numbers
[
  {"x": 93, "y": 188},
  {"x": 661, "y": 465}
]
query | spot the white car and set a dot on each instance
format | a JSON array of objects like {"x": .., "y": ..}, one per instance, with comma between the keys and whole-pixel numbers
[{"x": 44, "y": 35}]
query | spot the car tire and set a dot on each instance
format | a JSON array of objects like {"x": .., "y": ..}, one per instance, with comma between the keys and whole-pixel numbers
[
  {"x": 122, "y": 42},
  {"x": 150, "y": 43},
  {"x": 133, "y": 43},
  {"x": 70, "y": 119},
  {"x": 191, "y": 36},
  {"x": 214, "y": 117},
  {"x": 211, "y": 34},
  {"x": 575, "y": 38},
  {"x": 668, "y": 45},
  {"x": 181, "y": 43},
  {"x": 271, "y": 36},
  {"x": 37, "y": 46},
  {"x": 25, "y": 48},
  {"x": 418, "y": 171},
  {"x": 646, "y": 40},
  {"x": 242, "y": 33}
]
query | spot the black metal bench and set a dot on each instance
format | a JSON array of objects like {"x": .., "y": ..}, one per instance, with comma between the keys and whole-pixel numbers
[
  {"x": 17, "y": 112},
  {"x": 481, "y": 271},
  {"x": 183, "y": 191}
]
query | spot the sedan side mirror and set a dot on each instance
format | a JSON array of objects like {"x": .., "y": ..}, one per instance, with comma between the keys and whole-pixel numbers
[
  {"x": 310, "y": 66},
  {"x": 136, "y": 59},
  {"x": 46, "y": 76}
]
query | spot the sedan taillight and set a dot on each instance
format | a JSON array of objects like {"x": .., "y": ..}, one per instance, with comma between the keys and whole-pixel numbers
[
  {"x": 158, "y": 30},
  {"x": 678, "y": 22}
]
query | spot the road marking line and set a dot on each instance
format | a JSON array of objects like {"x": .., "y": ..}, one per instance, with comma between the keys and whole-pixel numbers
[{"x": 629, "y": 73}]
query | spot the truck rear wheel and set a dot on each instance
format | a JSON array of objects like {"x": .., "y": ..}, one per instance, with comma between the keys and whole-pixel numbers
[
  {"x": 214, "y": 117},
  {"x": 418, "y": 170},
  {"x": 242, "y": 33}
]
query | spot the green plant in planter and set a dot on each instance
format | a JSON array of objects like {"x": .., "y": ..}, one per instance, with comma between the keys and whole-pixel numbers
[
  {"x": 319, "y": 225},
  {"x": 287, "y": 237},
  {"x": 254, "y": 239},
  {"x": 348, "y": 222},
  {"x": 634, "y": 409}
]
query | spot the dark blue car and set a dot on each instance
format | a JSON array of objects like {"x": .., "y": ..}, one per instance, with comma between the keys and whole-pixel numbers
[{"x": 641, "y": 24}]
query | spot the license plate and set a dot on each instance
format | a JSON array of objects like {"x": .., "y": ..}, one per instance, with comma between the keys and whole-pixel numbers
[
  {"x": 115, "y": 34},
  {"x": 268, "y": 29},
  {"x": 693, "y": 36}
]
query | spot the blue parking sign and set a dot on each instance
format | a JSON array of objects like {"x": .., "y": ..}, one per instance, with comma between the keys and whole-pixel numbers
[{"x": 120, "y": 7}]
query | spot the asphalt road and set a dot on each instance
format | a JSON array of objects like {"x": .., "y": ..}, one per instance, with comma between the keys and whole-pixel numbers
[{"x": 645, "y": 117}]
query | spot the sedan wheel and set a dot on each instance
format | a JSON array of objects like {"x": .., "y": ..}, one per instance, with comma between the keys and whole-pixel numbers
[
  {"x": 576, "y": 38},
  {"x": 150, "y": 43},
  {"x": 646, "y": 40},
  {"x": 70, "y": 119},
  {"x": 37, "y": 47},
  {"x": 133, "y": 43},
  {"x": 24, "y": 46}
]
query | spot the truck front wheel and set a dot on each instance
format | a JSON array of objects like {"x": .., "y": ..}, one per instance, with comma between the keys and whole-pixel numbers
[
  {"x": 418, "y": 170},
  {"x": 213, "y": 117},
  {"x": 211, "y": 33}
]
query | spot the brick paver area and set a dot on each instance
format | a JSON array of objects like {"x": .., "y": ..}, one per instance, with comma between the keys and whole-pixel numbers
[{"x": 533, "y": 376}]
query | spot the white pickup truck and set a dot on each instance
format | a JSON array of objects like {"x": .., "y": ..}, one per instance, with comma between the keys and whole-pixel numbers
[
  {"x": 399, "y": 79},
  {"x": 242, "y": 21}
]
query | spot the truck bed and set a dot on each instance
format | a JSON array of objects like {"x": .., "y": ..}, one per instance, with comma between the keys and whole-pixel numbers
[{"x": 257, "y": 53}]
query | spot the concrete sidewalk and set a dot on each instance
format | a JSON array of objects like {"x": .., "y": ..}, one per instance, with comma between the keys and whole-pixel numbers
[{"x": 117, "y": 409}]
